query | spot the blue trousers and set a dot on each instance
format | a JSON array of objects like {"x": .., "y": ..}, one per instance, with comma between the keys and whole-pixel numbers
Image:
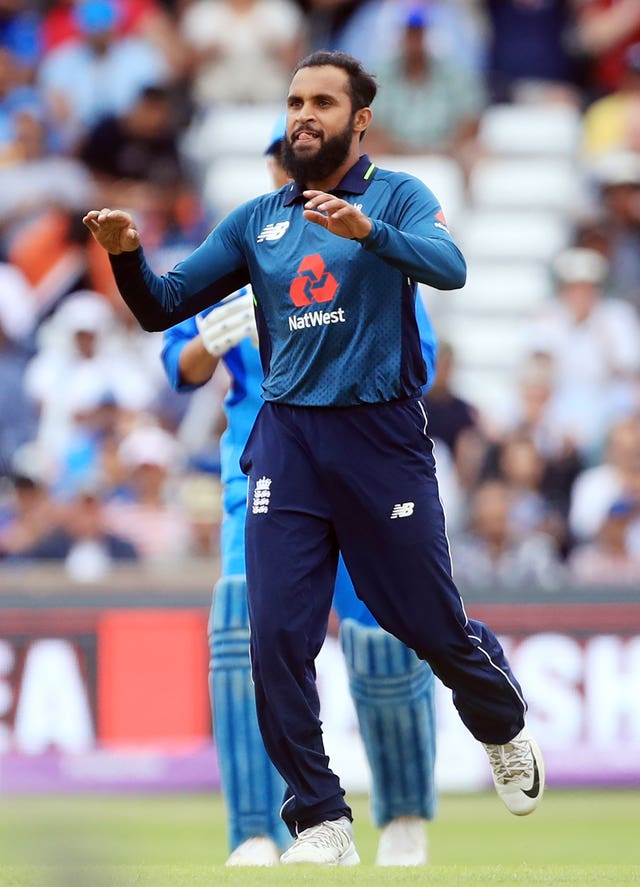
[{"x": 362, "y": 480}]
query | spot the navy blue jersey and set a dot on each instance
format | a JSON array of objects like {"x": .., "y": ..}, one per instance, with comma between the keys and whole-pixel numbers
[{"x": 336, "y": 317}]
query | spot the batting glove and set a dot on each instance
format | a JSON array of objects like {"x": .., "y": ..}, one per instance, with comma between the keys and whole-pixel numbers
[{"x": 228, "y": 324}]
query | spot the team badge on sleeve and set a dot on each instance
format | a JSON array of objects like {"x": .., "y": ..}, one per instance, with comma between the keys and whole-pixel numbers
[{"x": 440, "y": 221}]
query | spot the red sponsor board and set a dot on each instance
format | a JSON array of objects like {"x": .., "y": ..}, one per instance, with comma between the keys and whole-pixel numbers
[{"x": 76, "y": 681}]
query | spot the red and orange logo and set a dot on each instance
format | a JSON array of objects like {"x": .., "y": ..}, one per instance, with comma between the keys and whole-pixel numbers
[{"x": 314, "y": 283}]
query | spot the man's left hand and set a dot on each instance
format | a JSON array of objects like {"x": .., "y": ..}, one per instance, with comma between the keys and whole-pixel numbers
[{"x": 336, "y": 215}]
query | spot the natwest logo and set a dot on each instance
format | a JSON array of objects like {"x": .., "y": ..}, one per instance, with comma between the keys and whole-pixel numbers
[
  {"x": 317, "y": 318},
  {"x": 314, "y": 283}
]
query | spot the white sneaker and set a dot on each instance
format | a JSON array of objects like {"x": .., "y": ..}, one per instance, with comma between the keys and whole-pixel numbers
[
  {"x": 255, "y": 851},
  {"x": 329, "y": 843},
  {"x": 403, "y": 842},
  {"x": 518, "y": 772}
]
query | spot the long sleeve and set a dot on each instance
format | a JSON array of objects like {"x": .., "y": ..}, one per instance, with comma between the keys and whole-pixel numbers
[
  {"x": 416, "y": 240},
  {"x": 214, "y": 270}
]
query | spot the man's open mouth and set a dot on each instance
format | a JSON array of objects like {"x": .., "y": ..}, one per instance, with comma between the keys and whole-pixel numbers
[{"x": 305, "y": 135}]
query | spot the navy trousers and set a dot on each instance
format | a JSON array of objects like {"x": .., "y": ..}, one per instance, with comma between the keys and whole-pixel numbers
[{"x": 360, "y": 480}]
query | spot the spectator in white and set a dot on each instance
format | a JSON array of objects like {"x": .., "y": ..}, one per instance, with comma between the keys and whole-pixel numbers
[
  {"x": 596, "y": 489},
  {"x": 18, "y": 419},
  {"x": 536, "y": 417},
  {"x": 99, "y": 73},
  {"x": 617, "y": 222},
  {"x": 609, "y": 559},
  {"x": 594, "y": 343},
  {"x": 149, "y": 517},
  {"x": 534, "y": 412},
  {"x": 76, "y": 362},
  {"x": 425, "y": 103},
  {"x": 242, "y": 50},
  {"x": 492, "y": 554}
]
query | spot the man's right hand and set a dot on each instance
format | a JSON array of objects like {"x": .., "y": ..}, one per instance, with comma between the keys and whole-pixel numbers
[
  {"x": 228, "y": 324},
  {"x": 113, "y": 229}
]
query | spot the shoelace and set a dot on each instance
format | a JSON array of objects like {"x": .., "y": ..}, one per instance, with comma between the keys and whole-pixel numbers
[
  {"x": 510, "y": 762},
  {"x": 326, "y": 834}
]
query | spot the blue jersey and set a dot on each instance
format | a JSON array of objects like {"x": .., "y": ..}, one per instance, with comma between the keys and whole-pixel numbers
[
  {"x": 336, "y": 317},
  {"x": 244, "y": 400}
]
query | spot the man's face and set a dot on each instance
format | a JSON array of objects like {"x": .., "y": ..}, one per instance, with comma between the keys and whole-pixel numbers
[{"x": 320, "y": 121}]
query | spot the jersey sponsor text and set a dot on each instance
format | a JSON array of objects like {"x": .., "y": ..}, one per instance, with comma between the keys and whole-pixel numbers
[{"x": 317, "y": 318}]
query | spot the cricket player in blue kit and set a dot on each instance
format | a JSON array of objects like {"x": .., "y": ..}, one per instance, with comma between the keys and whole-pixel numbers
[
  {"x": 338, "y": 458},
  {"x": 392, "y": 689}
]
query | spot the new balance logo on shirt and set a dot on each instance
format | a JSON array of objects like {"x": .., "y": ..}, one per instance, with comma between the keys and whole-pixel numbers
[
  {"x": 272, "y": 231},
  {"x": 402, "y": 509}
]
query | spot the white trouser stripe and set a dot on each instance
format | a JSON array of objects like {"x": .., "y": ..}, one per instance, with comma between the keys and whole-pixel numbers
[
  {"x": 424, "y": 413},
  {"x": 497, "y": 668}
]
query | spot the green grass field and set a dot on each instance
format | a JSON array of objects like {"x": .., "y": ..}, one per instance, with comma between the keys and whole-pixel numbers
[{"x": 575, "y": 838}]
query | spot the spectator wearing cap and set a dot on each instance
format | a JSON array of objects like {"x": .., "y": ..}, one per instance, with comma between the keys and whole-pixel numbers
[
  {"x": 426, "y": 103},
  {"x": 99, "y": 73},
  {"x": 150, "y": 514},
  {"x": 273, "y": 153},
  {"x": 79, "y": 365},
  {"x": 615, "y": 226},
  {"x": 146, "y": 19},
  {"x": 609, "y": 561},
  {"x": 612, "y": 123},
  {"x": 593, "y": 343}
]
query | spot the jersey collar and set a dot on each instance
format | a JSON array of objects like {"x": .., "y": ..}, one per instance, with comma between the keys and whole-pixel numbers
[{"x": 355, "y": 181}]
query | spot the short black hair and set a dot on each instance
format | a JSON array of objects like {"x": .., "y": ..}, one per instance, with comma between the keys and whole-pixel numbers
[{"x": 362, "y": 85}]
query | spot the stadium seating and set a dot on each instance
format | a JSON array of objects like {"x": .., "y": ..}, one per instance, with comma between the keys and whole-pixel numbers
[
  {"x": 231, "y": 180},
  {"x": 531, "y": 182},
  {"x": 440, "y": 173},
  {"x": 530, "y": 130}
]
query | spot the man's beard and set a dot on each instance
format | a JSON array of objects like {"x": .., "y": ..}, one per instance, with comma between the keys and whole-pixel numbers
[{"x": 316, "y": 167}]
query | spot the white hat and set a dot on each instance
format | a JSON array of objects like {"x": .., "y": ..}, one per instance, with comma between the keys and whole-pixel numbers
[
  {"x": 580, "y": 265},
  {"x": 84, "y": 311},
  {"x": 149, "y": 446},
  {"x": 617, "y": 168}
]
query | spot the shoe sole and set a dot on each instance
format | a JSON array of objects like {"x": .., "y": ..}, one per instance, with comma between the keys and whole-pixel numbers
[{"x": 348, "y": 858}]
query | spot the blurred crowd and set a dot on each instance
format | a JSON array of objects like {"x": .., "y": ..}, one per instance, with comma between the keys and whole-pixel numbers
[{"x": 100, "y": 462}]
